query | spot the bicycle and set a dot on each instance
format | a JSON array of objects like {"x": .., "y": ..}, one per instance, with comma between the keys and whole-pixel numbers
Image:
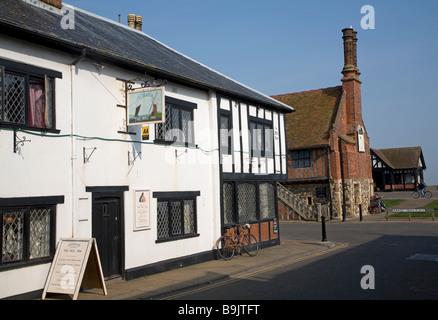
[
  {"x": 227, "y": 246},
  {"x": 417, "y": 194}
]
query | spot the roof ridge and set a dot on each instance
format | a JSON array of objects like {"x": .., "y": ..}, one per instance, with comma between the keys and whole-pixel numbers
[
  {"x": 308, "y": 91},
  {"x": 395, "y": 148},
  {"x": 182, "y": 54}
]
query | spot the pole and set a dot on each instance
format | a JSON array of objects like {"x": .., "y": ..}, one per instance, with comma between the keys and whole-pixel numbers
[
  {"x": 324, "y": 234},
  {"x": 360, "y": 211},
  {"x": 344, "y": 212}
]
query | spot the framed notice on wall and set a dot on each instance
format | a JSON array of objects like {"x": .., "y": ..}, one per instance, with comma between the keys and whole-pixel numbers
[
  {"x": 146, "y": 105},
  {"x": 360, "y": 139},
  {"x": 142, "y": 199}
]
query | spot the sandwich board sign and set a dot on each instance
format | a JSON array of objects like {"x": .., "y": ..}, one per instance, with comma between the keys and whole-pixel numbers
[{"x": 76, "y": 263}]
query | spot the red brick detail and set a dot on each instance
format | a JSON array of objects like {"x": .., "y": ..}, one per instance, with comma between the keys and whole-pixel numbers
[{"x": 55, "y": 3}]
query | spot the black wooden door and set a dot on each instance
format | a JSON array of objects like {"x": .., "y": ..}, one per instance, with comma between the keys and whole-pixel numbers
[{"x": 107, "y": 232}]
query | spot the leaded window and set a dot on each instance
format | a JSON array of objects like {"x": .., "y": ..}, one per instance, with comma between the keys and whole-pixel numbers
[
  {"x": 228, "y": 196},
  {"x": 26, "y": 234},
  {"x": 267, "y": 200},
  {"x": 176, "y": 217},
  {"x": 178, "y": 125},
  {"x": 26, "y": 99},
  {"x": 248, "y": 202}
]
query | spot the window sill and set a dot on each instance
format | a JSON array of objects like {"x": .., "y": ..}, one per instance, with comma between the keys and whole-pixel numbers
[
  {"x": 24, "y": 264},
  {"x": 175, "y": 143},
  {"x": 193, "y": 235},
  {"x": 21, "y": 127}
]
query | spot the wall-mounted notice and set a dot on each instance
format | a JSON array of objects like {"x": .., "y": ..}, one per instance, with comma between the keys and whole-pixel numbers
[
  {"x": 142, "y": 209},
  {"x": 360, "y": 139},
  {"x": 76, "y": 263}
]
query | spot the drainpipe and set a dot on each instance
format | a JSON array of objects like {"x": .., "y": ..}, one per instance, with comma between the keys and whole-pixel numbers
[
  {"x": 72, "y": 138},
  {"x": 72, "y": 152}
]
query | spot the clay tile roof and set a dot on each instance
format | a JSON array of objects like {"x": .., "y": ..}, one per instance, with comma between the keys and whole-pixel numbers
[
  {"x": 401, "y": 158},
  {"x": 315, "y": 112}
]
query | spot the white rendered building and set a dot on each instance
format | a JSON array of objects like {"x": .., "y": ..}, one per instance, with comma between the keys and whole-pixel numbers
[{"x": 155, "y": 196}]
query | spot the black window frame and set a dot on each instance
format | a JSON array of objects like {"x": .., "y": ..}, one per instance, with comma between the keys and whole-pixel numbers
[
  {"x": 235, "y": 215},
  {"x": 179, "y": 106},
  {"x": 301, "y": 158},
  {"x": 28, "y": 72},
  {"x": 266, "y": 141},
  {"x": 178, "y": 197},
  {"x": 225, "y": 145},
  {"x": 26, "y": 259}
]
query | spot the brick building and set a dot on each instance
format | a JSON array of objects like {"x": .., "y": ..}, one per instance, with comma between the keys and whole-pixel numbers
[{"x": 329, "y": 151}]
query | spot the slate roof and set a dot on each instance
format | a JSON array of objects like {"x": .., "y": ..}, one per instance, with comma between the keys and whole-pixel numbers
[
  {"x": 401, "y": 158},
  {"x": 115, "y": 42},
  {"x": 315, "y": 112}
]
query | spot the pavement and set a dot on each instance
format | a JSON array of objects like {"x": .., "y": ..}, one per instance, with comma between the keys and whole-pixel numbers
[{"x": 172, "y": 284}]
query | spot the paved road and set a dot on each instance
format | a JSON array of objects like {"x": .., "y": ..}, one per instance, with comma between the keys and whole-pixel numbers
[{"x": 402, "y": 255}]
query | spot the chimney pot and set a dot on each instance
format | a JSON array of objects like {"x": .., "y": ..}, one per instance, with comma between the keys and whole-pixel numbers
[
  {"x": 350, "y": 49},
  {"x": 131, "y": 20},
  {"x": 138, "y": 22}
]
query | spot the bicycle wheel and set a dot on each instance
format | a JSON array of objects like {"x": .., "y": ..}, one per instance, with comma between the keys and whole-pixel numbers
[
  {"x": 416, "y": 195},
  {"x": 428, "y": 194},
  {"x": 250, "y": 245},
  {"x": 225, "y": 247}
]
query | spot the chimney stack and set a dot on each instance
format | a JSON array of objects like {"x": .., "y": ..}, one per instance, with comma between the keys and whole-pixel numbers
[
  {"x": 131, "y": 20},
  {"x": 55, "y": 3},
  {"x": 138, "y": 22},
  {"x": 351, "y": 83},
  {"x": 135, "y": 22},
  {"x": 350, "y": 51}
]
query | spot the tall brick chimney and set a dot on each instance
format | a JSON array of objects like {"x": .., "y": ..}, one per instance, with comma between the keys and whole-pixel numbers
[
  {"x": 350, "y": 49},
  {"x": 350, "y": 82}
]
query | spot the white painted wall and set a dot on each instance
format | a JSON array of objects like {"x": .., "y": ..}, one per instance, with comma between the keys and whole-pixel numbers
[
  {"x": 41, "y": 167},
  {"x": 86, "y": 105}
]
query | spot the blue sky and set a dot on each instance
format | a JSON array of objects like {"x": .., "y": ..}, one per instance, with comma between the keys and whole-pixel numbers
[{"x": 285, "y": 46}]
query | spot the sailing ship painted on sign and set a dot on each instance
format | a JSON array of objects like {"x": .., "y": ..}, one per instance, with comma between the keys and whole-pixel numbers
[{"x": 146, "y": 106}]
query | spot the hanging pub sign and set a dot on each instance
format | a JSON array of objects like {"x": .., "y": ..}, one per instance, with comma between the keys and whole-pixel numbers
[
  {"x": 360, "y": 139},
  {"x": 146, "y": 105}
]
